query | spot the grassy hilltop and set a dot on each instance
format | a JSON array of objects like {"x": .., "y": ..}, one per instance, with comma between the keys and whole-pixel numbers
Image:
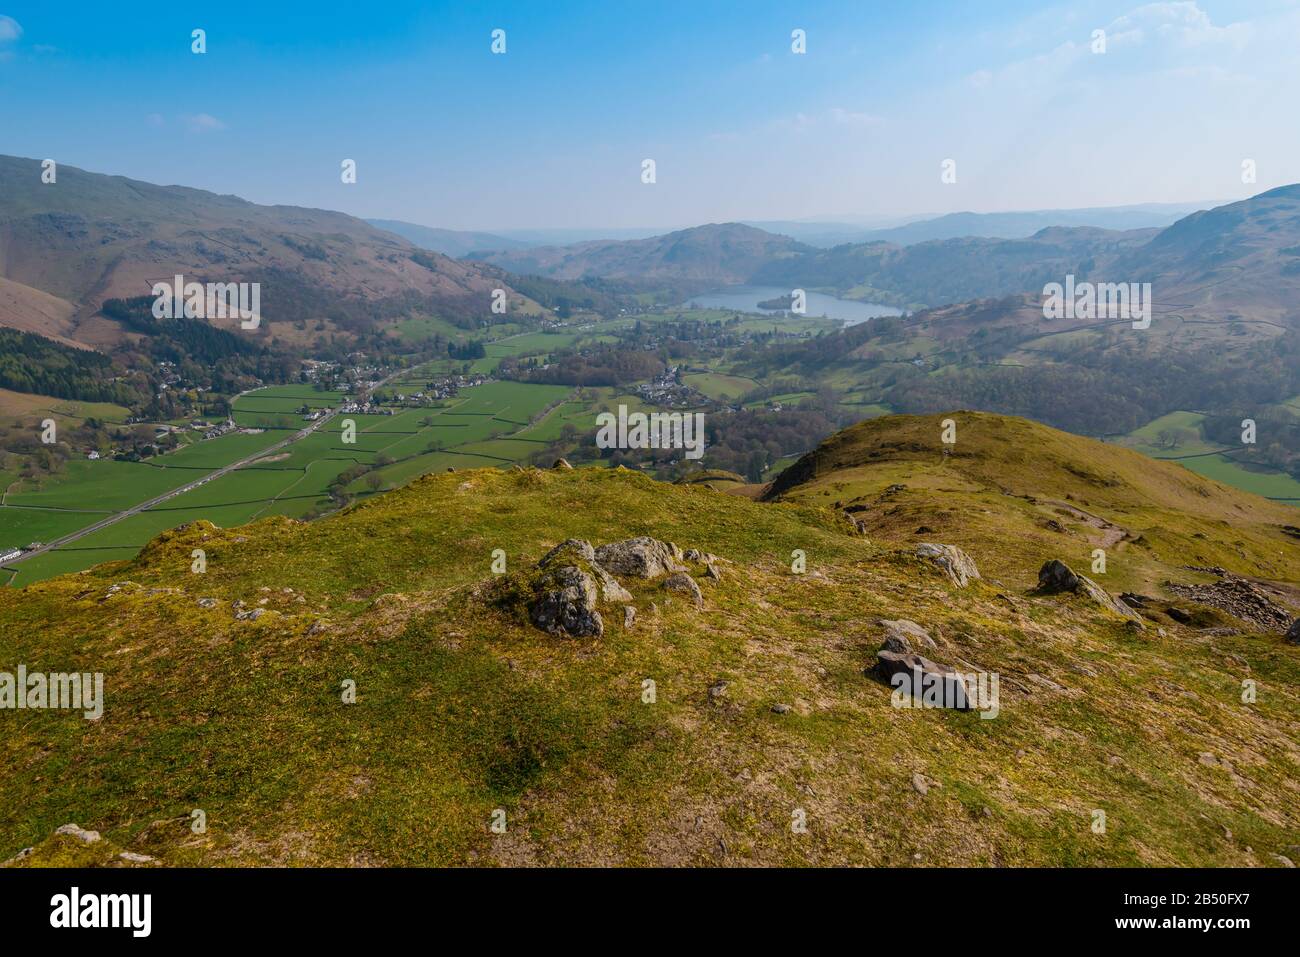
[{"x": 463, "y": 707}]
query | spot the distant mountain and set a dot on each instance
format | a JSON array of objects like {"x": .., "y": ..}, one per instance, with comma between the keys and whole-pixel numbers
[
  {"x": 952, "y": 270},
  {"x": 825, "y": 234},
  {"x": 568, "y": 236},
  {"x": 1021, "y": 225},
  {"x": 908, "y": 230},
  {"x": 1240, "y": 261},
  {"x": 450, "y": 242},
  {"x": 719, "y": 253},
  {"x": 1242, "y": 258},
  {"x": 88, "y": 237}
]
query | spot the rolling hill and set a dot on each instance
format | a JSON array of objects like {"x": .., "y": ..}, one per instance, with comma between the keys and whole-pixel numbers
[
  {"x": 1237, "y": 260},
  {"x": 1021, "y": 224},
  {"x": 89, "y": 237},
  {"x": 1242, "y": 259},
  {"x": 742, "y": 727},
  {"x": 716, "y": 253}
]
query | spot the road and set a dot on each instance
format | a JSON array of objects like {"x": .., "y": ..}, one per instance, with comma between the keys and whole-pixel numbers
[{"x": 224, "y": 470}]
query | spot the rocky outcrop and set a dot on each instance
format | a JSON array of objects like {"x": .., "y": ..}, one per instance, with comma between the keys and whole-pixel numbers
[
  {"x": 642, "y": 557},
  {"x": 571, "y": 549},
  {"x": 1055, "y": 577},
  {"x": 610, "y": 590},
  {"x": 1241, "y": 599},
  {"x": 1293, "y": 633},
  {"x": 566, "y": 603},
  {"x": 577, "y": 552},
  {"x": 575, "y": 578},
  {"x": 956, "y": 564}
]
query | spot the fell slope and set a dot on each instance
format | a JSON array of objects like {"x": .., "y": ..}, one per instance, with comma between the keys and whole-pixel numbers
[
  {"x": 1051, "y": 493},
  {"x": 464, "y": 708},
  {"x": 88, "y": 237}
]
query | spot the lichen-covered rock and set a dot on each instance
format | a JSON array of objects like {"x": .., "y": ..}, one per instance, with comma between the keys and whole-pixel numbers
[
  {"x": 1055, "y": 576},
  {"x": 80, "y": 833},
  {"x": 579, "y": 553},
  {"x": 642, "y": 557},
  {"x": 566, "y": 604},
  {"x": 610, "y": 590},
  {"x": 571, "y": 549},
  {"x": 957, "y": 565},
  {"x": 684, "y": 584},
  {"x": 904, "y": 636}
]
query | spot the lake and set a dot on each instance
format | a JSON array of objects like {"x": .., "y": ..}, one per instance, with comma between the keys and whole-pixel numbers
[{"x": 747, "y": 298}]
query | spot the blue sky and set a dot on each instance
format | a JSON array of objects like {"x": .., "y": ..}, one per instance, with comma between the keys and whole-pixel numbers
[{"x": 553, "y": 133}]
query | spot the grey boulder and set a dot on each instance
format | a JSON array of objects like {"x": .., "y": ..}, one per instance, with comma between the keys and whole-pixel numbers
[
  {"x": 642, "y": 557},
  {"x": 956, "y": 564}
]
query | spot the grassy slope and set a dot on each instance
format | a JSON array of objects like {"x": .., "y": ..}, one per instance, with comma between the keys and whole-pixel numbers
[
  {"x": 1006, "y": 478},
  {"x": 463, "y": 709}
]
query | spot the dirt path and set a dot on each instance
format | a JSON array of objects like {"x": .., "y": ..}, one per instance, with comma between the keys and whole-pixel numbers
[{"x": 1111, "y": 534}]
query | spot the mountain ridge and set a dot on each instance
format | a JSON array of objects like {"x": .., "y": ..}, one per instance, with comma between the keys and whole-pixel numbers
[{"x": 89, "y": 237}]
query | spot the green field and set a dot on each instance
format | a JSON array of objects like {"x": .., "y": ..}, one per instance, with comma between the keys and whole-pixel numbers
[
  {"x": 717, "y": 385},
  {"x": 1195, "y": 453},
  {"x": 277, "y": 406},
  {"x": 473, "y": 430},
  {"x": 1222, "y": 468}
]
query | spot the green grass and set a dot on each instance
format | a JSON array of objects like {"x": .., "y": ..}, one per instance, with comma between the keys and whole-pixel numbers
[
  {"x": 463, "y": 707},
  {"x": 21, "y": 526},
  {"x": 473, "y": 430},
  {"x": 719, "y": 386},
  {"x": 1266, "y": 482},
  {"x": 1192, "y": 453}
]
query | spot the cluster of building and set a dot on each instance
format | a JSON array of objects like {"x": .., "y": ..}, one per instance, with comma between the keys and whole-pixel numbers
[
  {"x": 449, "y": 386},
  {"x": 365, "y": 407},
  {"x": 668, "y": 390}
]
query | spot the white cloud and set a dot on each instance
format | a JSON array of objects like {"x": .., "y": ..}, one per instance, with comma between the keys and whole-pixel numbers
[
  {"x": 203, "y": 123},
  {"x": 9, "y": 29},
  {"x": 835, "y": 116},
  {"x": 1153, "y": 38},
  {"x": 1181, "y": 25},
  {"x": 843, "y": 117}
]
